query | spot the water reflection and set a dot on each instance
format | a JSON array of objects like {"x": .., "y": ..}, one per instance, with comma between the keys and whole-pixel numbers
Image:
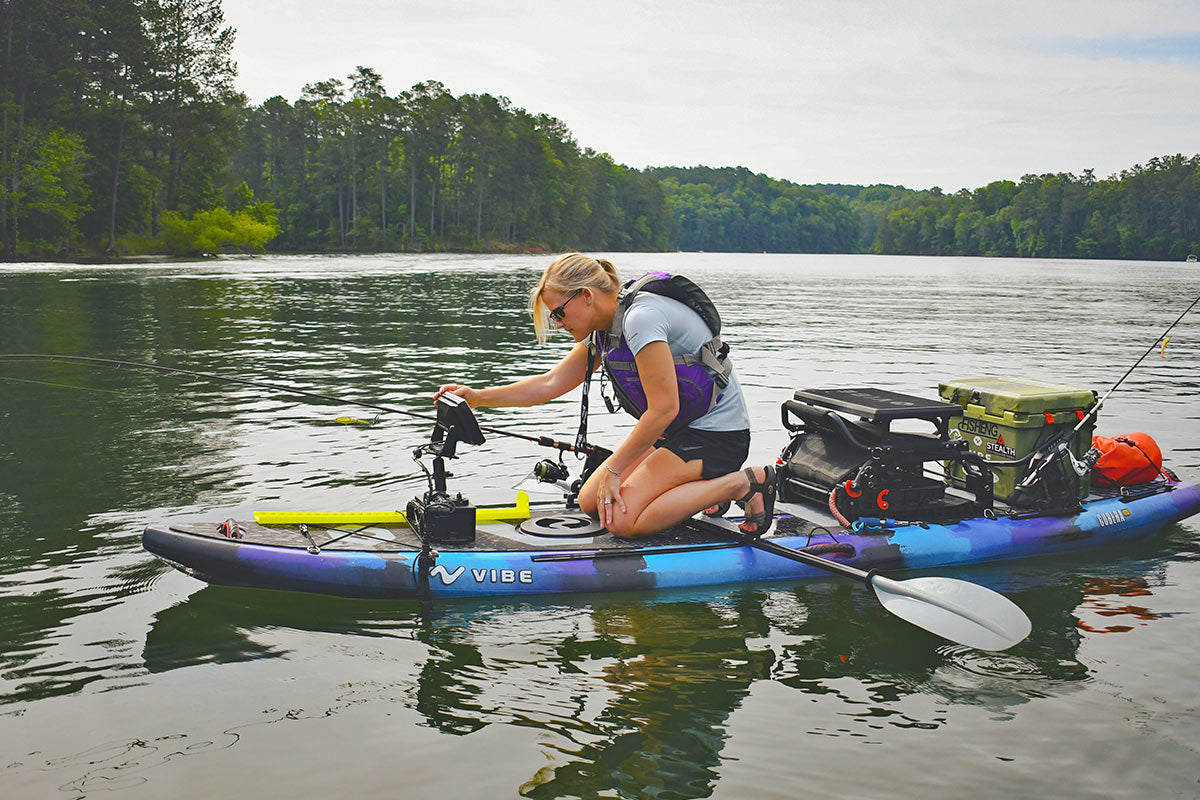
[
  {"x": 635, "y": 695},
  {"x": 638, "y": 692},
  {"x": 1107, "y": 599}
]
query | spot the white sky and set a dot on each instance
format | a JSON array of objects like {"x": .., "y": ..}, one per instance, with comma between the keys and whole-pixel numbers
[{"x": 921, "y": 93}]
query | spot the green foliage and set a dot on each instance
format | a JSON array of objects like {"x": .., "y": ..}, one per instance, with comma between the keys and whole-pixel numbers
[
  {"x": 1147, "y": 212},
  {"x": 426, "y": 170},
  {"x": 734, "y": 209},
  {"x": 121, "y": 115},
  {"x": 247, "y": 228},
  {"x": 52, "y": 194},
  {"x": 111, "y": 113},
  {"x": 217, "y": 231}
]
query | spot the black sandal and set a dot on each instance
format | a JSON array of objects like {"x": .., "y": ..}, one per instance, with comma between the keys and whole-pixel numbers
[
  {"x": 718, "y": 510},
  {"x": 762, "y": 520}
]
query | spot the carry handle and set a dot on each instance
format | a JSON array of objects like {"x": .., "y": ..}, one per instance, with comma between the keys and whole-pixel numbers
[{"x": 814, "y": 417}]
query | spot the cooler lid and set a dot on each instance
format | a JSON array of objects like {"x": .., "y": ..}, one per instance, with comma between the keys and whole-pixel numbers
[{"x": 1018, "y": 395}]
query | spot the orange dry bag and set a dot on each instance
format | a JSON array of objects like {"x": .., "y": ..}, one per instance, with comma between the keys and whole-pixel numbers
[{"x": 1126, "y": 460}]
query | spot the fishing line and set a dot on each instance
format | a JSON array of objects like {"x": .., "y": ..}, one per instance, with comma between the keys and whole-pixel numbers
[
  {"x": 1060, "y": 447},
  {"x": 60, "y": 385},
  {"x": 1162, "y": 337},
  {"x": 544, "y": 441}
]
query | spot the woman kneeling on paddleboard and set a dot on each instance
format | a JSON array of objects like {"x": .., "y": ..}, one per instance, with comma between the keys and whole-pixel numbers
[{"x": 657, "y": 340}]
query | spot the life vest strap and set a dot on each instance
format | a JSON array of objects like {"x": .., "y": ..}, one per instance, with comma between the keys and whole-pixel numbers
[
  {"x": 713, "y": 356},
  {"x": 708, "y": 357}
]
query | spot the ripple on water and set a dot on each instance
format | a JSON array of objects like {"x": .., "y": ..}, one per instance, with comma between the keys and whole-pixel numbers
[{"x": 626, "y": 695}]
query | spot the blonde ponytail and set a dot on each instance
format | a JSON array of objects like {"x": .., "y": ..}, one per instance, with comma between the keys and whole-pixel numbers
[{"x": 570, "y": 272}]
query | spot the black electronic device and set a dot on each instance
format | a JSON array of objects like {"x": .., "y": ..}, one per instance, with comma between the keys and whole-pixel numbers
[
  {"x": 455, "y": 423},
  {"x": 436, "y": 517}
]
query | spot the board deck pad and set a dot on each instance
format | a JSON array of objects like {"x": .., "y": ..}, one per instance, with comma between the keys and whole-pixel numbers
[
  {"x": 571, "y": 524},
  {"x": 551, "y": 530}
]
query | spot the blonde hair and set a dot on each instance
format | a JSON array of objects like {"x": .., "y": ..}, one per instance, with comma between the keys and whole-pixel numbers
[{"x": 568, "y": 273}]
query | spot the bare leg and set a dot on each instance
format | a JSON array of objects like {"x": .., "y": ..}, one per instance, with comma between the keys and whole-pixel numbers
[
  {"x": 587, "y": 494},
  {"x": 664, "y": 490},
  {"x": 679, "y": 503}
]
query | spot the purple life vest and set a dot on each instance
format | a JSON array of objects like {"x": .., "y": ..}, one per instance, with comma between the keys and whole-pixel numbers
[{"x": 701, "y": 377}]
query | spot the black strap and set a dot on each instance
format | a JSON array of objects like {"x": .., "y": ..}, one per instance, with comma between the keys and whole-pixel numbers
[
  {"x": 1138, "y": 447},
  {"x": 581, "y": 444}
]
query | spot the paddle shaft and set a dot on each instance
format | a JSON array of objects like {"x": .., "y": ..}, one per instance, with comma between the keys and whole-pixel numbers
[
  {"x": 956, "y": 610},
  {"x": 544, "y": 441},
  {"x": 894, "y": 586},
  {"x": 845, "y": 570}
]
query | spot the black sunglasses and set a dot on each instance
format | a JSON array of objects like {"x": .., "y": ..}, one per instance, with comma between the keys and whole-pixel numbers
[{"x": 560, "y": 313}]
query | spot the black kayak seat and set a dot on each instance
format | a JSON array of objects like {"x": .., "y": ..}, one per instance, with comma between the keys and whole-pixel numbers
[
  {"x": 842, "y": 434},
  {"x": 875, "y": 410}
]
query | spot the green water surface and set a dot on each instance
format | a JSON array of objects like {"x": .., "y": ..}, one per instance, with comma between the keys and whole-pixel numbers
[{"x": 120, "y": 677}]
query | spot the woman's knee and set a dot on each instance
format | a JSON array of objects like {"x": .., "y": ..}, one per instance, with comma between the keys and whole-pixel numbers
[
  {"x": 631, "y": 523},
  {"x": 587, "y": 497},
  {"x": 624, "y": 526}
]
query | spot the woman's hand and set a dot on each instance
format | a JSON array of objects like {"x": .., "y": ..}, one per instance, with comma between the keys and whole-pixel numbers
[
  {"x": 560, "y": 379},
  {"x": 465, "y": 392},
  {"x": 608, "y": 497}
]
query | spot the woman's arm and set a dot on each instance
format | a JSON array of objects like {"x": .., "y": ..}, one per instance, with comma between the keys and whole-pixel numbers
[
  {"x": 656, "y": 369},
  {"x": 560, "y": 379}
]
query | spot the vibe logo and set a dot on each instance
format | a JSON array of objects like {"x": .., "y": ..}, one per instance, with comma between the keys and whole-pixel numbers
[
  {"x": 446, "y": 576},
  {"x": 502, "y": 575},
  {"x": 564, "y": 525},
  {"x": 570, "y": 523}
]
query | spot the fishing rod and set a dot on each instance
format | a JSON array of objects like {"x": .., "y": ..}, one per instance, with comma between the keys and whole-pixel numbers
[
  {"x": 544, "y": 441},
  {"x": 1061, "y": 447}
]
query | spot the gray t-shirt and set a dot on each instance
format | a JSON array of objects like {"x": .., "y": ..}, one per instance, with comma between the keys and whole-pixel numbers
[{"x": 654, "y": 318}]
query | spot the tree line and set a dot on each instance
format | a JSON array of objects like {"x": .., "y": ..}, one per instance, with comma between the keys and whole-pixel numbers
[
  {"x": 121, "y": 132},
  {"x": 1149, "y": 211},
  {"x": 351, "y": 167},
  {"x": 734, "y": 209},
  {"x": 117, "y": 121}
]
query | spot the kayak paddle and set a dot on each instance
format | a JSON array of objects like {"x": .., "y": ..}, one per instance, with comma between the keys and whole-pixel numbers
[{"x": 960, "y": 611}]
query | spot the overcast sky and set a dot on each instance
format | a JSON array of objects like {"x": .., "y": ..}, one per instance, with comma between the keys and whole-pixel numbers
[{"x": 952, "y": 94}]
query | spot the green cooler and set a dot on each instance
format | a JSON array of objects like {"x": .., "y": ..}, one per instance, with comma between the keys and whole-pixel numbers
[{"x": 1008, "y": 418}]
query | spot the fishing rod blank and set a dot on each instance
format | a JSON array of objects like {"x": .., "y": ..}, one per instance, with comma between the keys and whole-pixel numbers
[
  {"x": 1062, "y": 447},
  {"x": 544, "y": 441}
]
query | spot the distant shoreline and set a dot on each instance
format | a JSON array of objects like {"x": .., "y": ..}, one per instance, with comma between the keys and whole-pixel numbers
[
  {"x": 109, "y": 260},
  {"x": 134, "y": 260}
]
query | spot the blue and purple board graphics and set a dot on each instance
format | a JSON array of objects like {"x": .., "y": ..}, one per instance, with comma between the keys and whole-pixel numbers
[{"x": 504, "y": 560}]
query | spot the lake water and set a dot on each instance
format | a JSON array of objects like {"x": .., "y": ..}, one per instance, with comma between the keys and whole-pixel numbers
[{"x": 120, "y": 678}]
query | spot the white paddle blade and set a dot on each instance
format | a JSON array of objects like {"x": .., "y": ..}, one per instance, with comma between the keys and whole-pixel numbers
[{"x": 956, "y": 610}]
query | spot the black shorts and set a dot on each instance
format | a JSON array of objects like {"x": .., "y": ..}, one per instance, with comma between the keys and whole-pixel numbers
[{"x": 722, "y": 452}]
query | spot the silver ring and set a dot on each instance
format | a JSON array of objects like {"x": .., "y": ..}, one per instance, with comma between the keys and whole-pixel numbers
[{"x": 608, "y": 502}]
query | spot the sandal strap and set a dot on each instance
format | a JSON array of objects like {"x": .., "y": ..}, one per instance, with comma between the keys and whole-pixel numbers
[
  {"x": 762, "y": 520},
  {"x": 755, "y": 486}
]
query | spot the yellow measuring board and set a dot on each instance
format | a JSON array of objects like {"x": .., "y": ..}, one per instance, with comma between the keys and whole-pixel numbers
[{"x": 331, "y": 518}]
